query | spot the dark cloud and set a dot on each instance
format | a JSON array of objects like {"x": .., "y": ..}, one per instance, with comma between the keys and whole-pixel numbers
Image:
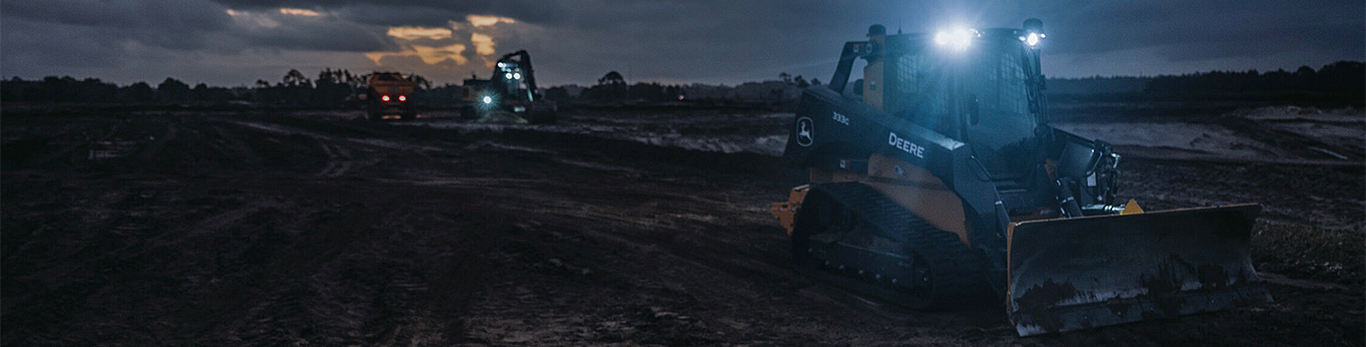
[
  {"x": 311, "y": 33},
  {"x": 171, "y": 16},
  {"x": 671, "y": 40},
  {"x": 78, "y": 46},
  {"x": 1211, "y": 30}
]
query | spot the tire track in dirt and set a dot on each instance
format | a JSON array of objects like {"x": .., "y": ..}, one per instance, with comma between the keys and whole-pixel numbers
[
  {"x": 151, "y": 150},
  {"x": 338, "y": 159}
]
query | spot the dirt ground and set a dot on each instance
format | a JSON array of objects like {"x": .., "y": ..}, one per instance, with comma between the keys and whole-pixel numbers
[{"x": 260, "y": 228}]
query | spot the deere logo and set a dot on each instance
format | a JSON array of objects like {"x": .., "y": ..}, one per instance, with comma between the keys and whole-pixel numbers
[{"x": 805, "y": 128}]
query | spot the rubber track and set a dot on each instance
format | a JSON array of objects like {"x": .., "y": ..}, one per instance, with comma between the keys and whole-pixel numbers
[{"x": 956, "y": 269}]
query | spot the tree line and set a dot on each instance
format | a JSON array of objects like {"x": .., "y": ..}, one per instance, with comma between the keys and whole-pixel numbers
[
  {"x": 613, "y": 87},
  {"x": 330, "y": 88},
  {"x": 1340, "y": 81},
  {"x": 1341, "y": 77}
]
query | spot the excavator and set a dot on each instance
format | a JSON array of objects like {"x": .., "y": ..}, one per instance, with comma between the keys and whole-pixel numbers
[
  {"x": 509, "y": 96},
  {"x": 937, "y": 182}
]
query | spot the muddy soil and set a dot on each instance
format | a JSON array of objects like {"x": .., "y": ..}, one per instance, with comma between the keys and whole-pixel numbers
[{"x": 251, "y": 228}]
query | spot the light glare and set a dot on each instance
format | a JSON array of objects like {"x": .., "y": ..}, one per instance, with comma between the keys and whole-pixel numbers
[{"x": 958, "y": 39}]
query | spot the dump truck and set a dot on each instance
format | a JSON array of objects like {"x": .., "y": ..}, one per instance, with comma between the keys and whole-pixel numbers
[
  {"x": 509, "y": 96},
  {"x": 938, "y": 176},
  {"x": 389, "y": 95}
]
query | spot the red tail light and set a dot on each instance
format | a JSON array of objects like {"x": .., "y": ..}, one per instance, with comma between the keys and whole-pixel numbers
[
  {"x": 384, "y": 98},
  {"x": 402, "y": 98}
]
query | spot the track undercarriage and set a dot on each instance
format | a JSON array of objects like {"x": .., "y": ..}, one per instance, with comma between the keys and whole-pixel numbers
[{"x": 850, "y": 234}]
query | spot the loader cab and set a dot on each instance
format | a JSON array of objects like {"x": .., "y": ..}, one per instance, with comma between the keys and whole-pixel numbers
[{"x": 980, "y": 87}]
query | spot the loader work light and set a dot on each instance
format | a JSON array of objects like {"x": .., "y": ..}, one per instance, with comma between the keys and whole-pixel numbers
[
  {"x": 1034, "y": 29},
  {"x": 957, "y": 39}
]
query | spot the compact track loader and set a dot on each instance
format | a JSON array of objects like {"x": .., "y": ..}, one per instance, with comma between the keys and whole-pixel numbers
[{"x": 937, "y": 176}]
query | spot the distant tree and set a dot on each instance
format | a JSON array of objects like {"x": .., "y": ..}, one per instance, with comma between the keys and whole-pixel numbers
[
  {"x": 673, "y": 93},
  {"x": 610, "y": 87},
  {"x": 647, "y": 92},
  {"x": 295, "y": 78},
  {"x": 201, "y": 92},
  {"x": 815, "y": 81},
  {"x": 139, "y": 92},
  {"x": 557, "y": 93},
  {"x": 172, "y": 90},
  {"x": 612, "y": 78},
  {"x": 1304, "y": 72},
  {"x": 327, "y": 75},
  {"x": 332, "y": 88},
  {"x": 1343, "y": 76},
  {"x": 801, "y": 82},
  {"x": 422, "y": 82}
]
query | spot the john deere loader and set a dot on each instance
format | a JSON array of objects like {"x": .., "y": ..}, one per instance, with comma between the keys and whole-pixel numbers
[{"x": 937, "y": 176}]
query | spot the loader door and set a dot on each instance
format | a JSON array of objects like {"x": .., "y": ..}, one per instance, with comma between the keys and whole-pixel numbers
[{"x": 995, "y": 99}]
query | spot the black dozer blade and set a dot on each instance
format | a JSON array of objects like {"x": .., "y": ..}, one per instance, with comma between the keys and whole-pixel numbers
[{"x": 1079, "y": 273}]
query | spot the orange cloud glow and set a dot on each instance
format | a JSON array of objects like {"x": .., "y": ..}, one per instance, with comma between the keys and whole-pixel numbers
[
  {"x": 483, "y": 21},
  {"x": 443, "y": 46},
  {"x": 299, "y": 12},
  {"x": 253, "y": 18},
  {"x": 413, "y": 33},
  {"x": 483, "y": 44},
  {"x": 428, "y": 54}
]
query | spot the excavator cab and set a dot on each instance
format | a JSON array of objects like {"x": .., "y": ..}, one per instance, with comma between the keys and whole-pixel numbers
[{"x": 943, "y": 176}]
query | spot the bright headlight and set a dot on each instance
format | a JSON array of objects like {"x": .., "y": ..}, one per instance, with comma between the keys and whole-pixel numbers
[
  {"x": 516, "y": 76},
  {"x": 957, "y": 39},
  {"x": 488, "y": 99},
  {"x": 507, "y": 75},
  {"x": 1032, "y": 39}
]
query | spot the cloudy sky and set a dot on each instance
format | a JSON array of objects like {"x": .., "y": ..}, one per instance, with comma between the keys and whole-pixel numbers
[{"x": 236, "y": 42}]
